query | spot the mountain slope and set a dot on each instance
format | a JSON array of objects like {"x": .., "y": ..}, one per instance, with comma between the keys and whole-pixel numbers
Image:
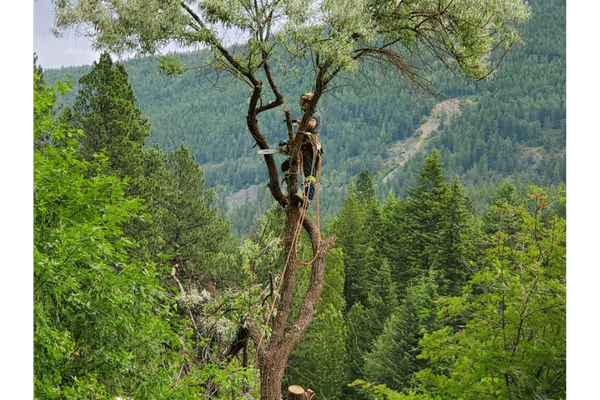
[{"x": 512, "y": 127}]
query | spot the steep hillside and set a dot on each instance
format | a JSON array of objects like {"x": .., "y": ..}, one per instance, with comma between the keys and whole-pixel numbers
[{"x": 511, "y": 127}]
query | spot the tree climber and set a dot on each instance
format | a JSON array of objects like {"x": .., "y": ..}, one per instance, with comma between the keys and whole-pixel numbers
[{"x": 311, "y": 147}]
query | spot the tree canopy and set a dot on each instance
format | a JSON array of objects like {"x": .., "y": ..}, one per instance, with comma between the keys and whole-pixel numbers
[{"x": 460, "y": 33}]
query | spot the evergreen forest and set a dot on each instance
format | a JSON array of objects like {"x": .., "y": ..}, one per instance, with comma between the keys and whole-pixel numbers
[
  {"x": 157, "y": 243},
  {"x": 510, "y": 127}
]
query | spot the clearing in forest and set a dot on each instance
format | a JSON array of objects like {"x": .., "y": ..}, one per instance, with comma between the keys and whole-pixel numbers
[{"x": 400, "y": 152}]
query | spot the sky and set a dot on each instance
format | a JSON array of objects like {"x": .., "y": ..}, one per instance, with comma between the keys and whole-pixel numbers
[{"x": 72, "y": 49}]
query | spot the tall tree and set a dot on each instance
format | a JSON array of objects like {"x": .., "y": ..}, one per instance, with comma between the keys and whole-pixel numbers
[
  {"x": 418, "y": 222},
  {"x": 392, "y": 243},
  {"x": 105, "y": 110},
  {"x": 349, "y": 227},
  {"x": 337, "y": 35},
  {"x": 183, "y": 222},
  {"x": 365, "y": 190},
  {"x": 456, "y": 237},
  {"x": 196, "y": 235}
]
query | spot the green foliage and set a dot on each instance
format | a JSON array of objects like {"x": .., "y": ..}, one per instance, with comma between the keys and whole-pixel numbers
[
  {"x": 513, "y": 345},
  {"x": 349, "y": 226},
  {"x": 433, "y": 230},
  {"x": 366, "y": 322},
  {"x": 502, "y": 335},
  {"x": 494, "y": 221},
  {"x": 194, "y": 233},
  {"x": 425, "y": 245},
  {"x": 170, "y": 65},
  {"x": 180, "y": 219},
  {"x": 393, "y": 359},
  {"x": 342, "y": 28},
  {"x": 382, "y": 392},
  {"x": 100, "y": 321},
  {"x": 105, "y": 110}
]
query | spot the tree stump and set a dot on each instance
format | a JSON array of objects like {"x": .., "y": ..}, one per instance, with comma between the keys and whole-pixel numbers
[{"x": 297, "y": 392}]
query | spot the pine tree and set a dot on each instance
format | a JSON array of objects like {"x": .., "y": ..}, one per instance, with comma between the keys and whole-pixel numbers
[
  {"x": 195, "y": 234},
  {"x": 105, "y": 110}
]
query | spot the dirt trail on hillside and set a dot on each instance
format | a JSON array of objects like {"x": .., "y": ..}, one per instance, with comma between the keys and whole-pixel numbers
[{"x": 400, "y": 152}]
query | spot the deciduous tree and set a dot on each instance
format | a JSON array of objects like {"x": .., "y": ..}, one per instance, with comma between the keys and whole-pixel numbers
[
  {"x": 338, "y": 36},
  {"x": 100, "y": 318},
  {"x": 514, "y": 343}
]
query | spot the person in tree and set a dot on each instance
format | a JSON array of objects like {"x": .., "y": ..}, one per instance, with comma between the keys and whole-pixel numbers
[{"x": 311, "y": 148}]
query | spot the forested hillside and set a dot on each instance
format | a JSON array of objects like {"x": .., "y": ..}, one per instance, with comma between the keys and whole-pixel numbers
[
  {"x": 511, "y": 127},
  {"x": 161, "y": 263}
]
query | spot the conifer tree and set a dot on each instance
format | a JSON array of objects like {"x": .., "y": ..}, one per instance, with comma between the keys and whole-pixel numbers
[
  {"x": 393, "y": 359},
  {"x": 365, "y": 190},
  {"x": 350, "y": 228},
  {"x": 423, "y": 217},
  {"x": 495, "y": 221},
  {"x": 105, "y": 109},
  {"x": 455, "y": 247},
  {"x": 365, "y": 193},
  {"x": 366, "y": 323},
  {"x": 196, "y": 236},
  {"x": 392, "y": 243}
]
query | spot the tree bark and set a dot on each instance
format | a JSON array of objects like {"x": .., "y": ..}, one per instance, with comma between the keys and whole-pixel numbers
[{"x": 274, "y": 352}]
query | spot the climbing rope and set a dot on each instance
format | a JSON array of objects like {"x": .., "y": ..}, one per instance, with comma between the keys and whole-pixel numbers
[
  {"x": 318, "y": 213},
  {"x": 294, "y": 243}
]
